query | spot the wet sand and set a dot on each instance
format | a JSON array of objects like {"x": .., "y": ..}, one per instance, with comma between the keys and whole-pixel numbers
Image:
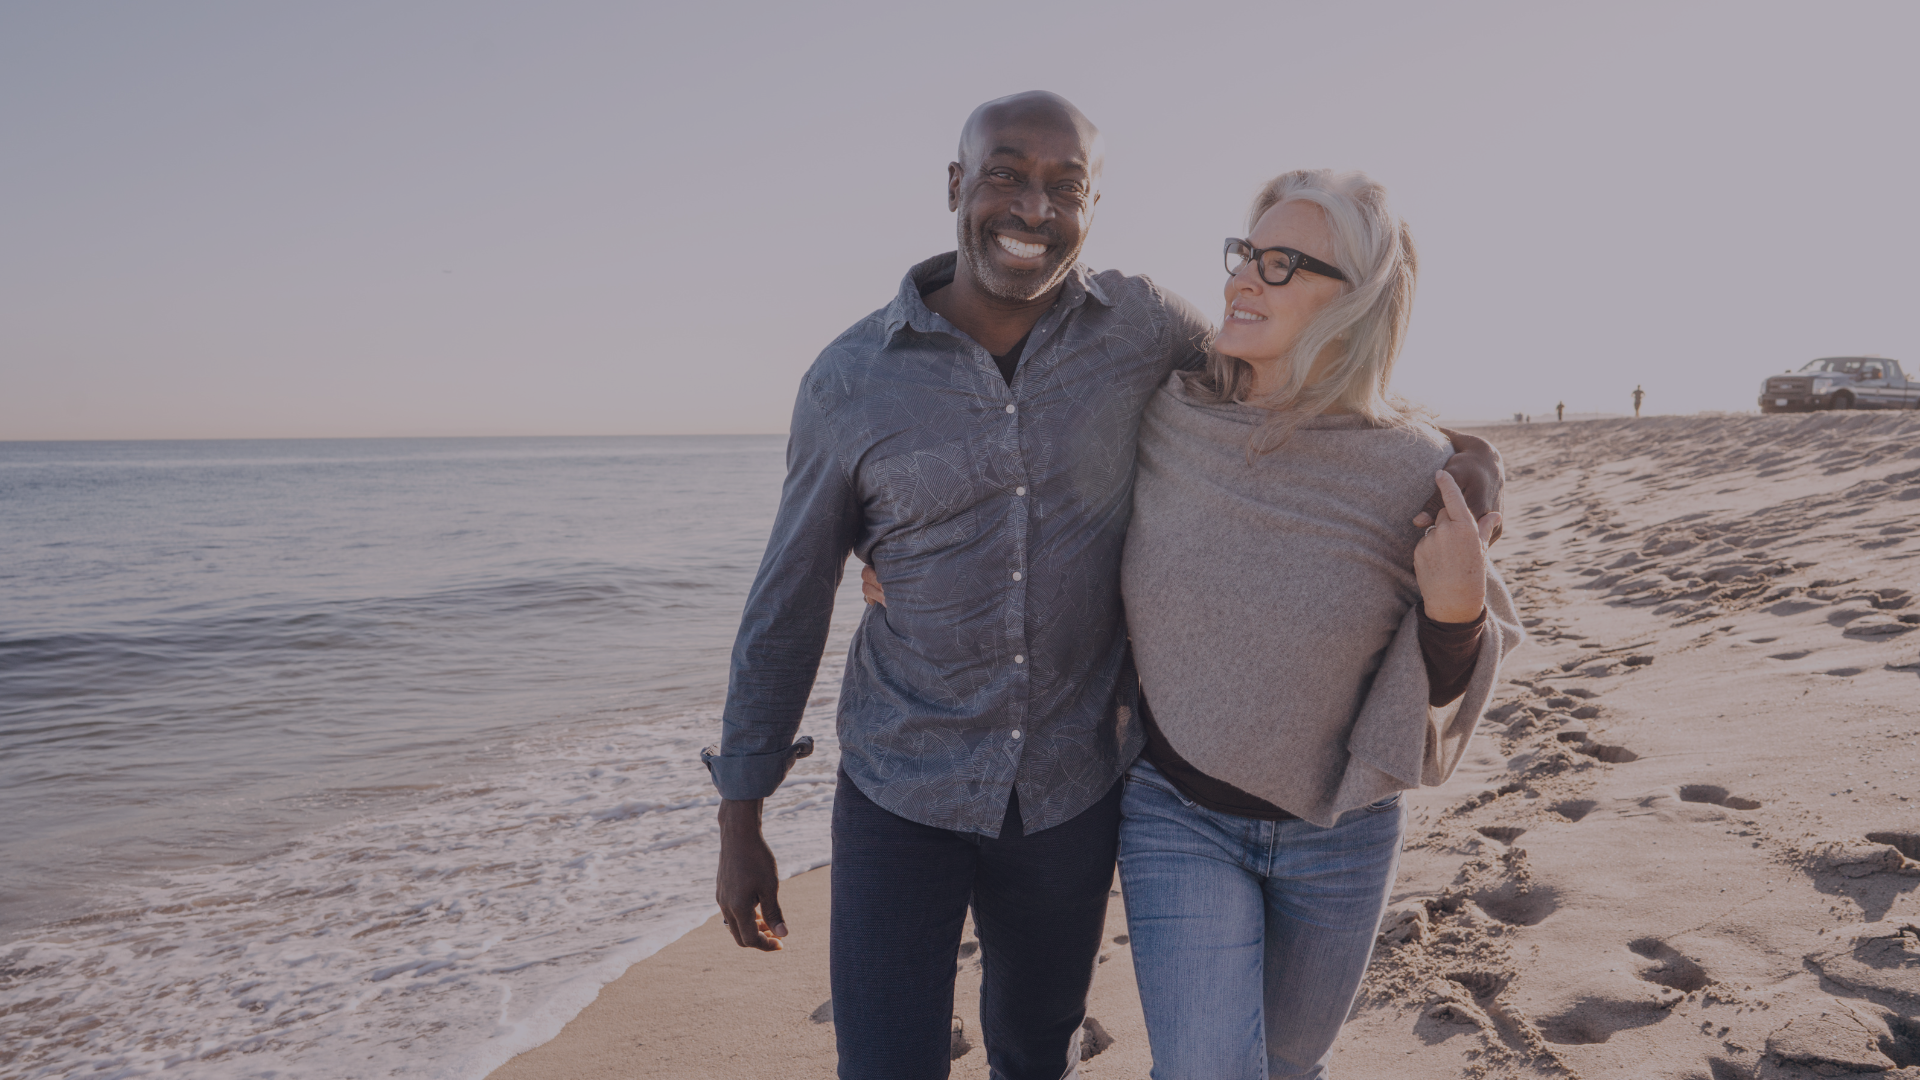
[{"x": 1684, "y": 846}]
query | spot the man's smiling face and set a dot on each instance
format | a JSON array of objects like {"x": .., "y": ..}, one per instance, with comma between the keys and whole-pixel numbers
[{"x": 1024, "y": 191}]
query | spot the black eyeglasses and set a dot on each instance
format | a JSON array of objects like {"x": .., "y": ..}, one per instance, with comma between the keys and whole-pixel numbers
[{"x": 1277, "y": 264}]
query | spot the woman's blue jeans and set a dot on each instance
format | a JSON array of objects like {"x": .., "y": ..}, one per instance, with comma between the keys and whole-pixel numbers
[{"x": 1249, "y": 937}]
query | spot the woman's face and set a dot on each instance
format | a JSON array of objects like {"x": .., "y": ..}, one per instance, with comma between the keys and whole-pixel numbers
[{"x": 1263, "y": 320}]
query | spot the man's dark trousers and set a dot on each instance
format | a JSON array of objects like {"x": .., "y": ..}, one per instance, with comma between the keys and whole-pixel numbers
[{"x": 900, "y": 896}]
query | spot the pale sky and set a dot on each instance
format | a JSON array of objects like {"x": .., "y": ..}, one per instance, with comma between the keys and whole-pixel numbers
[{"x": 344, "y": 218}]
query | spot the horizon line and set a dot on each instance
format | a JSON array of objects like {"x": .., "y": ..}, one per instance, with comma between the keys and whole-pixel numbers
[{"x": 5, "y": 441}]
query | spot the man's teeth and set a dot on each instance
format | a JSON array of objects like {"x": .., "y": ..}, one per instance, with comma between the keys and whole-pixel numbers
[
  {"x": 1019, "y": 250},
  {"x": 1248, "y": 316}
]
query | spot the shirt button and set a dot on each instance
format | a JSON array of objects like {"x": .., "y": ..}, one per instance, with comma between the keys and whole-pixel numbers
[
  {"x": 1016, "y": 575},
  {"x": 1016, "y": 733},
  {"x": 1009, "y": 407},
  {"x": 1019, "y": 658},
  {"x": 1020, "y": 490}
]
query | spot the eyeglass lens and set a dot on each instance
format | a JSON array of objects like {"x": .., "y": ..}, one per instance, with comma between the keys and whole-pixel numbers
[{"x": 1275, "y": 266}]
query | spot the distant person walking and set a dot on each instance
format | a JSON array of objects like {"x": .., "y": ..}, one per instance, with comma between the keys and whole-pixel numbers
[
  {"x": 1560, "y": 412},
  {"x": 1638, "y": 394}
]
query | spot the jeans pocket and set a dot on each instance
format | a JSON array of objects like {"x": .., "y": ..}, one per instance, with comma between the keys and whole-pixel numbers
[
  {"x": 1385, "y": 804},
  {"x": 1156, "y": 781}
]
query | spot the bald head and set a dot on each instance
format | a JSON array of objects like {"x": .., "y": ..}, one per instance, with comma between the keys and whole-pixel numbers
[
  {"x": 1031, "y": 111},
  {"x": 1024, "y": 191}
]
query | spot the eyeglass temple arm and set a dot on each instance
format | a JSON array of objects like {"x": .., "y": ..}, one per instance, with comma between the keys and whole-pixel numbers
[{"x": 1308, "y": 262}]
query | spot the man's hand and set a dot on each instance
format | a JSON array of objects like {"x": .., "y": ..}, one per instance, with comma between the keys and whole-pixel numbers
[
  {"x": 748, "y": 879},
  {"x": 1482, "y": 477},
  {"x": 1451, "y": 559},
  {"x": 870, "y": 587}
]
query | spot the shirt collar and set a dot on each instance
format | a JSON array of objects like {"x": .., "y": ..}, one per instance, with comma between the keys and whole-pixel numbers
[{"x": 908, "y": 309}]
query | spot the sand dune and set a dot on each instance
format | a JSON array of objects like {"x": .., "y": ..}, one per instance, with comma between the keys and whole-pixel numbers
[{"x": 1684, "y": 846}]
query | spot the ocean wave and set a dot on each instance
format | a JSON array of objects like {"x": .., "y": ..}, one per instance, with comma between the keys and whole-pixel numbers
[{"x": 435, "y": 942}]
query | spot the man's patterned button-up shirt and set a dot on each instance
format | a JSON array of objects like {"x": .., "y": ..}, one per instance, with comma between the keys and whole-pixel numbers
[{"x": 994, "y": 516}]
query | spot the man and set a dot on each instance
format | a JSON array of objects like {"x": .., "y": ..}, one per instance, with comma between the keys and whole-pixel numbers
[
  {"x": 1560, "y": 412},
  {"x": 1638, "y": 395},
  {"x": 973, "y": 442}
]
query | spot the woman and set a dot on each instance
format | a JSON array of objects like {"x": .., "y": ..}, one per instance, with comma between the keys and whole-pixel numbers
[{"x": 1303, "y": 655}]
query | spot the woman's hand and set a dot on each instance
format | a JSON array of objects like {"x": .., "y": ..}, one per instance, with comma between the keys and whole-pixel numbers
[
  {"x": 870, "y": 587},
  {"x": 1451, "y": 560}
]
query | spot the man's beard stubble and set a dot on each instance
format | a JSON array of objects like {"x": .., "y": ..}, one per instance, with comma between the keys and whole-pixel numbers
[{"x": 996, "y": 281}]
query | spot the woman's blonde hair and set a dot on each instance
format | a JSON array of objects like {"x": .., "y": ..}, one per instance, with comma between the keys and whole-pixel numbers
[{"x": 1365, "y": 326}]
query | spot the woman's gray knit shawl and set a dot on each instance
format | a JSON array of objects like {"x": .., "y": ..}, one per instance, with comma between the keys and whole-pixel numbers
[{"x": 1272, "y": 606}]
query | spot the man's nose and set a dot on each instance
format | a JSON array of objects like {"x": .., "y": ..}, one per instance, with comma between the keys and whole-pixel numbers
[{"x": 1033, "y": 207}]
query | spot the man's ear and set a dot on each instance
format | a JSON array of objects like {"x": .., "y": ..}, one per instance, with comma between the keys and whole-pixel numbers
[{"x": 955, "y": 173}]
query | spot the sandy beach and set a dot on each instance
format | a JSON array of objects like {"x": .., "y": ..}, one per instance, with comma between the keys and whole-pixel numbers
[{"x": 1684, "y": 846}]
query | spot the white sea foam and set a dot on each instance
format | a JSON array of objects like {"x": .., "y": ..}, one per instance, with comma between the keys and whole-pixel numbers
[{"x": 434, "y": 943}]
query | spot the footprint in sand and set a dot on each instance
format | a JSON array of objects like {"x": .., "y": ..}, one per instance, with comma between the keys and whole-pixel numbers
[
  {"x": 1506, "y": 834},
  {"x": 1794, "y": 607},
  {"x": 1597, "y": 1019},
  {"x": 1612, "y": 755},
  {"x": 1518, "y": 903},
  {"x": 1573, "y": 809},
  {"x": 1717, "y": 795},
  {"x": 1879, "y": 626},
  {"x": 1483, "y": 985},
  {"x": 1906, "y": 843},
  {"x": 1670, "y": 968}
]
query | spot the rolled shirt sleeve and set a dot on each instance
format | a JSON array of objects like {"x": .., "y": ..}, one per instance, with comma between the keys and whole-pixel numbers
[
  {"x": 784, "y": 628},
  {"x": 753, "y": 776}
]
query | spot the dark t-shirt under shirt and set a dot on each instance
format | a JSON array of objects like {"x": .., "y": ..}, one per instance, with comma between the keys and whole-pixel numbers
[{"x": 1010, "y": 360}]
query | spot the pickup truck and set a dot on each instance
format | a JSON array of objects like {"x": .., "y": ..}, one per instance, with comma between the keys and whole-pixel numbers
[{"x": 1841, "y": 382}]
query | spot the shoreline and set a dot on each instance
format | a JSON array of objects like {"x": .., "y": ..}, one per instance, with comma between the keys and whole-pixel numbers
[{"x": 668, "y": 1017}]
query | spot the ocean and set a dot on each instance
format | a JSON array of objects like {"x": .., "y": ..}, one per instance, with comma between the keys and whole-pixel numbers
[{"x": 364, "y": 758}]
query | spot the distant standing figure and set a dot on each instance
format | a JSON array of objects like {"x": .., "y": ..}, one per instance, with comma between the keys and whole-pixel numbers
[
  {"x": 1560, "y": 411},
  {"x": 1637, "y": 395}
]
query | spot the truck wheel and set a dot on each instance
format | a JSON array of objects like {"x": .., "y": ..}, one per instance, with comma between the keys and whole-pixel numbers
[{"x": 1842, "y": 400}]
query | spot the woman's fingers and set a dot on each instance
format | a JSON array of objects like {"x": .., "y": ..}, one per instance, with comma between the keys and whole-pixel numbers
[
  {"x": 870, "y": 587},
  {"x": 1451, "y": 496},
  {"x": 1450, "y": 561}
]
